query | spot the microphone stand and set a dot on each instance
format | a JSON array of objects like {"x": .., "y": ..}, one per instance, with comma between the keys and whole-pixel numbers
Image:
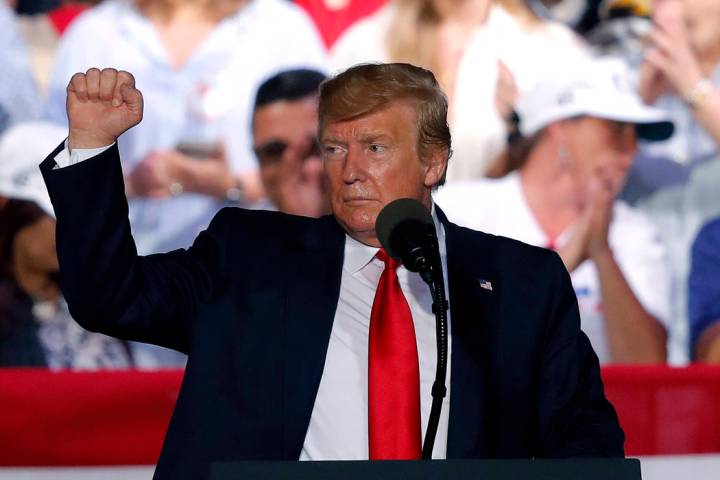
[{"x": 432, "y": 274}]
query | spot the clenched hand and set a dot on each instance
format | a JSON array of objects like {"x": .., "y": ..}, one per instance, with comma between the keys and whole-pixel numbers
[{"x": 101, "y": 106}]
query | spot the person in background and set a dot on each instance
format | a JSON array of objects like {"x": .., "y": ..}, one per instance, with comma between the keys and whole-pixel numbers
[
  {"x": 285, "y": 143},
  {"x": 578, "y": 130},
  {"x": 199, "y": 64},
  {"x": 32, "y": 7},
  {"x": 482, "y": 52},
  {"x": 675, "y": 182},
  {"x": 306, "y": 341},
  {"x": 621, "y": 29},
  {"x": 19, "y": 100},
  {"x": 42, "y": 27},
  {"x": 680, "y": 73},
  {"x": 704, "y": 294},
  {"x": 580, "y": 15},
  {"x": 36, "y": 329}
]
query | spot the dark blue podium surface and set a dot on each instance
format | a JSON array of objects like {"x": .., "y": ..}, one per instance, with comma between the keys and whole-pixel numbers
[{"x": 576, "y": 469}]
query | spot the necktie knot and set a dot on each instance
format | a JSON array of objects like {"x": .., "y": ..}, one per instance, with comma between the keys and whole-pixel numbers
[{"x": 389, "y": 262}]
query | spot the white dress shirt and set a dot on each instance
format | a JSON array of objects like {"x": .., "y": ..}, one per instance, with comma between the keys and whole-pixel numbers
[
  {"x": 338, "y": 427},
  {"x": 339, "y": 423}
]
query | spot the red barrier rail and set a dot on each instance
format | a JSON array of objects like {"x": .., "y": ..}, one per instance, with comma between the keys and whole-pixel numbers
[
  {"x": 666, "y": 410},
  {"x": 120, "y": 417},
  {"x": 84, "y": 418}
]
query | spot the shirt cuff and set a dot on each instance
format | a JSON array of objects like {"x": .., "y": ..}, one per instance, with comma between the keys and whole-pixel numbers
[{"x": 66, "y": 157}]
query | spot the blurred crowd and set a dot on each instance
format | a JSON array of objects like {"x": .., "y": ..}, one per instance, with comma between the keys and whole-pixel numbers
[{"x": 590, "y": 127}]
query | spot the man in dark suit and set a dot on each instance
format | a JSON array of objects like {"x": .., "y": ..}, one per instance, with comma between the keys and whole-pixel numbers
[{"x": 280, "y": 316}]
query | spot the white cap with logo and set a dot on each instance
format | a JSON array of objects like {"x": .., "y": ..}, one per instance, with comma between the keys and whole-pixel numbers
[
  {"x": 597, "y": 87},
  {"x": 22, "y": 148}
]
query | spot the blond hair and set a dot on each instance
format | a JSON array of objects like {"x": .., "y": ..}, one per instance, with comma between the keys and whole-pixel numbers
[
  {"x": 214, "y": 10},
  {"x": 411, "y": 36},
  {"x": 366, "y": 88}
]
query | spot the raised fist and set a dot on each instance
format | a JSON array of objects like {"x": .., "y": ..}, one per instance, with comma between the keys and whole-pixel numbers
[{"x": 101, "y": 105}]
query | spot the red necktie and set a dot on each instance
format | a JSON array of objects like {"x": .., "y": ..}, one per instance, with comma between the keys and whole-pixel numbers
[{"x": 393, "y": 373}]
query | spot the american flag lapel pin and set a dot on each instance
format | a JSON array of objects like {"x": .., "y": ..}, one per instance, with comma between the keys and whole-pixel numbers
[{"x": 486, "y": 284}]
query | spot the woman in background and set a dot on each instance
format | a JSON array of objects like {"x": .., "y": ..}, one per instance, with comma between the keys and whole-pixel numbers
[
  {"x": 675, "y": 182},
  {"x": 36, "y": 329},
  {"x": 198, "y": 63},
  {"x": 481, "y": 51},
  {"x": 681, "y": 74}
]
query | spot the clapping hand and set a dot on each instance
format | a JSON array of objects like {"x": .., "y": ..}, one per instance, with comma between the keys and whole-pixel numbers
[
  {"x": 156, "y": 175},
  {"x": 589, "y": 237},
  {"x": 670, "y": 64}
]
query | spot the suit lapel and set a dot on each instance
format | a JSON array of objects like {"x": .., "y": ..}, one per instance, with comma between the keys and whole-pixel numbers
[
  {"x": 472, "y": 301},
  {"x": 314, "y": 277},
  {"x": 314, "y": 287}
]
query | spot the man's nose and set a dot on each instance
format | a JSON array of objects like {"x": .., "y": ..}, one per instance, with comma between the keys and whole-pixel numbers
[{"x": 354, "y": 166}]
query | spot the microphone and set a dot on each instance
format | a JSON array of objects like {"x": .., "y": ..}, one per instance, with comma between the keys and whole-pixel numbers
[{"x": 406, "y": 231}]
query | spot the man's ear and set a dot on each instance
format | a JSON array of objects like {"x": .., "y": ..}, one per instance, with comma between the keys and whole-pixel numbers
[{"x": 436, "y": 160}]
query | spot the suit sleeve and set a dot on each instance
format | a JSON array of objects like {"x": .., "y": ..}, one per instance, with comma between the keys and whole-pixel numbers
[
  {"x": 576, "y": 420},
  {"x": 108, "y": 287}
]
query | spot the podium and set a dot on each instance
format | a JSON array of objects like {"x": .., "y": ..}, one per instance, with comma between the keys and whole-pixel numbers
[{"x": 571, "y": 469}]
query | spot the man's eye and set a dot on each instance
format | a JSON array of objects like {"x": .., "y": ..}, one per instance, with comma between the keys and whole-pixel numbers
[
  {"x": 271, "y": 152},
  {"x": 331, "y": 149},
  {"x": 375, "y": 148}
]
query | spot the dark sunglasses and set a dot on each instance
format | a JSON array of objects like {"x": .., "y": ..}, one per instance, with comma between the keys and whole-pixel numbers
[{"x": 272, "y": 152}]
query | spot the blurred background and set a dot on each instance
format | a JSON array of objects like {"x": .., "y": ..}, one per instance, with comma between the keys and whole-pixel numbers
[{"x": 576, "y": 124}]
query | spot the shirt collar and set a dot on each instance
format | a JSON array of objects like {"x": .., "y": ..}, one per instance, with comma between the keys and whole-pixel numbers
[{"x": 358, "y": 255}]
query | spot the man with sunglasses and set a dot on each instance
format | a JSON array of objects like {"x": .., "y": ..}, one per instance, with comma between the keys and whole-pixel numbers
[{"x": 284, "y": 130}]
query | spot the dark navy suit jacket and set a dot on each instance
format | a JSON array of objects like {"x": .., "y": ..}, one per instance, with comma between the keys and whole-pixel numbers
[{"x": 253, "y": 300}]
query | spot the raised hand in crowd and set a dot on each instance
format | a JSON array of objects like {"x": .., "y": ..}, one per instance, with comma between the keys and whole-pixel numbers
[
  {"x": 101, "y": 106},
  {"x": 681, "y": 56},
  {"x": 670, "y": 64},
  {"x": 506, "y": 94}
]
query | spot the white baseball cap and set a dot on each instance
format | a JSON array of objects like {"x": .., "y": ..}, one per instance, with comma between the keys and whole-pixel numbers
[
  {"x": 22, "y": 148},
  {"x": 594, "y": 87}
]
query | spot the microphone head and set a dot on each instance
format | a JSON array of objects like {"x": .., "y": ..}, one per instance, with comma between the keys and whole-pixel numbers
[{"x": 403, "y": 216}]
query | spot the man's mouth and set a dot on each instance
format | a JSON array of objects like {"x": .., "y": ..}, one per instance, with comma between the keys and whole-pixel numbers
[{"x": 357, "y": 201}]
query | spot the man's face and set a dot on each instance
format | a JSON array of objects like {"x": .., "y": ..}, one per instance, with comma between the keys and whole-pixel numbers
[
  {"x": 286, "y": 147},
  {"x": 373, "y": 160}
]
